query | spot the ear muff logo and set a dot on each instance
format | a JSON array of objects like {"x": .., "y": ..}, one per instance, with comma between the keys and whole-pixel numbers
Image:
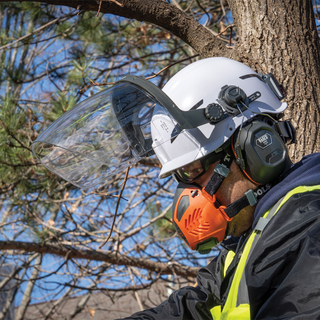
[{"x": 264, "y": 141}]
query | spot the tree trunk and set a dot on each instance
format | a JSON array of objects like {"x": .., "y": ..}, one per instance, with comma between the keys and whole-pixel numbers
[{"x": 280, "y": 36}]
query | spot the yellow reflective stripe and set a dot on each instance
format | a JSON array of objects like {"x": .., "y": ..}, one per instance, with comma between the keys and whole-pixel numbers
[
  {"x": 231, "y": 303},
  {"x": 242, "y": 312},
  {"x": 229, "y": 258},
  {"x": 301, "y": 189},
  {"x": 216, "y": 312},
  {"x": 232, "y": 296}
]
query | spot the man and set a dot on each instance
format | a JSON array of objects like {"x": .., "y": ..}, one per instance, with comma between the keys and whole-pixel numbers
[{"x": 217, "y": 130}]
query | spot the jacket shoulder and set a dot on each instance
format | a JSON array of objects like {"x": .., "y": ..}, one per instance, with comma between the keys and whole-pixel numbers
[{"x": 282, "y": 268}]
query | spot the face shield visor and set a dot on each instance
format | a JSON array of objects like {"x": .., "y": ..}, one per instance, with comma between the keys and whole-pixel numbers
[
  {"x": 105, "y": 133},
  {"x": 101, "y": 136}
]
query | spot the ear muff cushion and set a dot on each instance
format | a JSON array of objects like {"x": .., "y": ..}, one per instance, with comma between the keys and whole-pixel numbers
[{"x": 263, "y": 151}]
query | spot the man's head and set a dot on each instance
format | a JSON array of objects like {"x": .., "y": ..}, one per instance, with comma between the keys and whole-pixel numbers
[{"x": 242, "y": 110}]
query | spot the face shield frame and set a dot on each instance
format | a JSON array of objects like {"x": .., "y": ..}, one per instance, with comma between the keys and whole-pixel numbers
[{"x": 186, "y": 119}]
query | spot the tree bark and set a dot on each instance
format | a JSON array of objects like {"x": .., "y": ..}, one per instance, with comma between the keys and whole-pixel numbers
[
  {"x": 280, "y": 36},
  {"x": 99, "y": 255}
]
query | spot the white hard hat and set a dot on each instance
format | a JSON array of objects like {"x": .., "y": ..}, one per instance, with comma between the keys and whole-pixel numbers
[{"x": 196, "y": 87}]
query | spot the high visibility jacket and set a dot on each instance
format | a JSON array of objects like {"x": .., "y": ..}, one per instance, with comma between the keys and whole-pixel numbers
[
  {"x": 237, "y": 304},
  {"x": 275, "y": 273}
]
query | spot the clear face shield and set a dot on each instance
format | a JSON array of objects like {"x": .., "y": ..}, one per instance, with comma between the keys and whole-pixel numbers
[{"x": 100, "y": 137}]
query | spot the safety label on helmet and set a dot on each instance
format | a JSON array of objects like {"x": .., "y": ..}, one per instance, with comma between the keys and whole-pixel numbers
[
  {"x": 164, "y": 126},
  {"x": 264, "y": 141}
]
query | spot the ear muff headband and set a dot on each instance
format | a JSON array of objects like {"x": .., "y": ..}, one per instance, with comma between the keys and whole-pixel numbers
[{"x": 260, "y": 152}]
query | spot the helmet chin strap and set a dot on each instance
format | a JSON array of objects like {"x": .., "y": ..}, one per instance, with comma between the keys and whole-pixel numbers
[{"x": 221, "y": 171}]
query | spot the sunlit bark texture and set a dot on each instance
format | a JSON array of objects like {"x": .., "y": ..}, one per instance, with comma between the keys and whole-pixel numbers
[{"x": 281, "y": 37}]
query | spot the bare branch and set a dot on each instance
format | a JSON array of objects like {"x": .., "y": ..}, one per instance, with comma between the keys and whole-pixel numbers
[
  {"x": 99, "y": 255},
  {"x": 64, "y": 18},
  {"x": 117, "y": 206}
]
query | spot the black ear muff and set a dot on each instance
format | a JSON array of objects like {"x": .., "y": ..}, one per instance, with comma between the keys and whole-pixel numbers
[{"x": 260, "y": 152}]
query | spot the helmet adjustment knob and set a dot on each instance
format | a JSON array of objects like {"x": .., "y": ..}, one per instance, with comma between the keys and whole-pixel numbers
[
  {"x": 213, "y": 112},
  {"x": 230, "y": 96}
]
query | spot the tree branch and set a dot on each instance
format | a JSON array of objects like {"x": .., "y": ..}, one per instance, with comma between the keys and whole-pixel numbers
[
  {"x": 66, "y": 17},
  {"x": 99, "y": 255},
  {"x": 162, "y": 14}
]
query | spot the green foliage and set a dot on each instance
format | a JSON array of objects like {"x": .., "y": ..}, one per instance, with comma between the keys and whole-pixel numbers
[
  {"x": 81, "y": 71},
  {"x": 61, "y": 103},
  {"x": 165, "y": 226},
  {"x": 41, "y": 78},
  {"x": 12, "y": 140},
  {"x": 36, "y": 11},
  {"x": 162, "y": 228},
  {"x": 44, "y": 75}
]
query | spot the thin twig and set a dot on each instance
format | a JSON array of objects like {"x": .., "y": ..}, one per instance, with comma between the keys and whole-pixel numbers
[
  {"x": 148, "y": 78},
  {"x": 96, "y": 84},
  {"x": 99, "y": 8},
  {"x": 231, "y": 26},
  {"x": 135, "y": 293},
  {"x": 37, "y": 30},
  {"x": 204, "y": 10},
  {"x": 177, "y": 4},
  {"x": 189, "y": 6},
  {"x": 115, "y": 1},
  {"x": 118, "y": 202},
  {"x": 171, "y": 65},
  {"x": 118, "y": 3},
  {"x": 230, "y": 37},
  {"x": 223, "y": 9},
  {"x": 48, "y": 75}
]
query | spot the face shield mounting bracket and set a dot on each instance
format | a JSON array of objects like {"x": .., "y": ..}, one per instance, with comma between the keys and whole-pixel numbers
[{"x": 185, "y": 119}]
